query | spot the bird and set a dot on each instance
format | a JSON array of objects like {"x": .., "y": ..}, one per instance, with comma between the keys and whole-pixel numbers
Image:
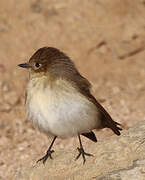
[{"x": 59, "y": 101}]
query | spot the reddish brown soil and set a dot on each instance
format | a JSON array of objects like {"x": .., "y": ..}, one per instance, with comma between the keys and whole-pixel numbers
[{"x": 106, "y": 40}]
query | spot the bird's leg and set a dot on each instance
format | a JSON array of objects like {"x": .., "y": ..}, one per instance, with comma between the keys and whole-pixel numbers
[
  {"x": 82, "y": 152},
  {"x": 48, "y": 153}
]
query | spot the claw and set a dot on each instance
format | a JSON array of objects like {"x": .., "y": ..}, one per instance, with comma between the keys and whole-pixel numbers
[
  {"x": 83, "y": 153},
  {"x": 44, "y": 158}
]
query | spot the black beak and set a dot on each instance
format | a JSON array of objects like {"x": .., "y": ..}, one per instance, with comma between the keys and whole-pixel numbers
[{"x": 25, "y": 65}]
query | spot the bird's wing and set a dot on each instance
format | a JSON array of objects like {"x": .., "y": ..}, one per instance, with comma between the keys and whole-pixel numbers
[{"x": 107, "y": 122}]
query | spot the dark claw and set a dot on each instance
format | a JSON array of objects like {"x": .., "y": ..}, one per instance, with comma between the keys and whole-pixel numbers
[
  {"x": 83, "y": 153},
  {"x": 44, "y": 158}
]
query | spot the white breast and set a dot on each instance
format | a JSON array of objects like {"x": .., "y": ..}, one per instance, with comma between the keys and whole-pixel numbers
[{"x": 60, "y": 110}]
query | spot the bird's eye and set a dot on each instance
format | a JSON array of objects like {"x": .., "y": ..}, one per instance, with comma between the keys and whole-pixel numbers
[{"x": 37, "y": 65}]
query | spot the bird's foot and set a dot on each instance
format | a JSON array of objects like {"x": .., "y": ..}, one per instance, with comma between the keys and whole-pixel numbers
[
  {"x": 44, "y": 158},
  {"x": 83, "y": 153}
]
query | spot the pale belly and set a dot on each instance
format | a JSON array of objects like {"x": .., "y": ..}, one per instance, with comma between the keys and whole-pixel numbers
[{"x": 62, "y": 114}]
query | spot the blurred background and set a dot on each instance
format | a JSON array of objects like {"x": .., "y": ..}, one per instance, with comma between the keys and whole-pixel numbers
[{"x": 105, "y": 39}]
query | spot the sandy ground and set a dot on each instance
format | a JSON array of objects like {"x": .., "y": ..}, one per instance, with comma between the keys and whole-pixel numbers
[{"x": 105, "y": 39}]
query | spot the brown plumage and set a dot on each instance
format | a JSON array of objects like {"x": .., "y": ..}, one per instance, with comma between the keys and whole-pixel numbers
[
  {"x": 60, "y": 65},
  {"x": 54, "y": 76}
]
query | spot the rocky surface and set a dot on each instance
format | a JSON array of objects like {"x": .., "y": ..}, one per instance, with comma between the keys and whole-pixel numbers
[
  {"x": 115, "y": 158},
  {"x": 105, "y": 39}
]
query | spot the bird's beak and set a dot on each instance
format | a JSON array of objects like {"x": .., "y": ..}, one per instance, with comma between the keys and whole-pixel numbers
[{"x": 24, "y": 65}]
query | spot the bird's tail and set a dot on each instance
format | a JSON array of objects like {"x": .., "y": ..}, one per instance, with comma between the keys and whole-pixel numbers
[{"x": 108, "y": 122}]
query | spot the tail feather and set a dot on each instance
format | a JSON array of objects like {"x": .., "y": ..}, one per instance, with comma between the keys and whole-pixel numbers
[
  {"x": 90, "y": 135},
  {"x": 109, "y": 123},
  {"x": 106, "y": 120}
]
